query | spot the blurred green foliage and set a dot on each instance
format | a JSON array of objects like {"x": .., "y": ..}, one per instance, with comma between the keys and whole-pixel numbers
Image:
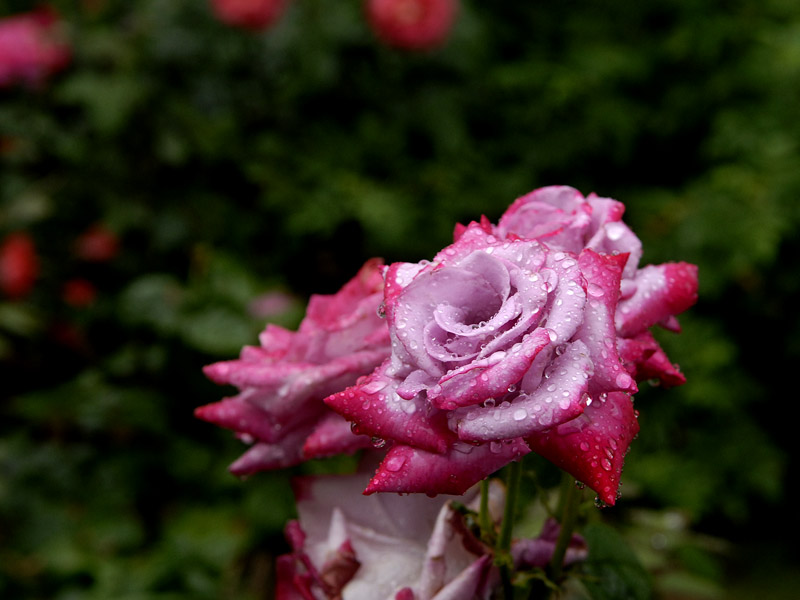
[{"x": 231, "y": 164}]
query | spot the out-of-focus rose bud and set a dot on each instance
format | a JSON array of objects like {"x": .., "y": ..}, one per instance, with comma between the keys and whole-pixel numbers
[
  {"x": 32, "y": 47},
  {"x": 79, "y": 292},
  {"x": 256, "y": 15},
  {"x": 19, "y": 265},
  {"x": 412, "y": 24},
  {"x": 97, "y": 244}
]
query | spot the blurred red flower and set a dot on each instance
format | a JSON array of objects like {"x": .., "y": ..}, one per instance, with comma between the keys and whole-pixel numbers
[
  {"x": 19, "y": 265},
  {"x": 97, "y": 244},
  {"x": 412, "y": 24},
  {"x": 249, "y": 14},
  {"x": 79, "y": 292},
  {"x": 32, "y": 47}
]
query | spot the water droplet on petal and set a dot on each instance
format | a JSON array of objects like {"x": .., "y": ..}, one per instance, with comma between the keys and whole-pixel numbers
[
  {"x": 520, "y": 414},
  {"x": 595, "y": 290},
  {"x": 624, "y": 380},
  {"x": 394, "y": 463}
]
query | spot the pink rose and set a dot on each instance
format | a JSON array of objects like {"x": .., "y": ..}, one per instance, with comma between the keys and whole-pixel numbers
[
  {"x": 347, "y": 545},
  {"x": 562, "y": 218},
  {"x": 412, "y": 24},
  {"x": 496, "y": 345},
  {"x": 249, "y": 14},
  {"x": 31, "y": 47},
  {"x": 282, "y": 383}
]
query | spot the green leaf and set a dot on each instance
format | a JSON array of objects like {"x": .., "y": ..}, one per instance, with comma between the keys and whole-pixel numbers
[{"x": 612, "y": 571}]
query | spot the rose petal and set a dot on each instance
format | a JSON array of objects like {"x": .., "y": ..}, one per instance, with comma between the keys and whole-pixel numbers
[
  {"x": 558, "y": 215},
  {"x": 241, "y": 416},
  {"x": 603, "y": 274},
  {"x": 469, "y": 584},
  {"x": 264, "y": 457},
  {"x": 661, "y": 291},
  {"x": 377, "y": 409},
  {"x": 333, "y": 435},
  {"x": 560, "y": 398},
  {"x": 490, "y": 377},
  {"x": 408, "y": 469},
  {"x": 644, "y": 359},
  {"x": 592, "y": 447}
]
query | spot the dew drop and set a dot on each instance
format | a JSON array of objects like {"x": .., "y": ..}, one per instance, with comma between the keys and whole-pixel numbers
[
  {"x": 520, "y": 414},
  {"x": 394, "y": 463},
  {"x": 624, "y": 380}
]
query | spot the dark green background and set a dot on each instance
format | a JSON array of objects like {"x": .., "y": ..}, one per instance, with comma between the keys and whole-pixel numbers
[{"x": 231, "y": 164}]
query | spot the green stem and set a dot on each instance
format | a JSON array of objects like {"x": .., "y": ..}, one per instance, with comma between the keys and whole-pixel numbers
[
  {"x": 484, "y": 518},
  {"x": 503, "y": 549},
  {"x": 512, "y": 492},
  {"x": 568, "y": 508}
]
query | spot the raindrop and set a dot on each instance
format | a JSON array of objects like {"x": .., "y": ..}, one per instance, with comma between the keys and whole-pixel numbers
[
  {"x": 378, "y": 442},
  {"x": 382, "y": 310},
  {"x": 520, "y": 414},
  {"x": 394, "y": 463},
  {"x": 595, "y": 290},
  {"x": 624, "y": 380},
  {"x": 512, "y": 388}
]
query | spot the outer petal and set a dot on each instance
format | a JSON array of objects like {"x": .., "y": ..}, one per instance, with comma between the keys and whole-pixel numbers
[
  {"x": 241, "y": 416},
  {"x": 262, "y": 457},
  {"x": 644, "y": 359},
  {"x": 333, "y": 435},
  {"x": 407, "y": 469},
  {"x": 603, "y": 274},
  {"x": 557, "y": 215},
  {"x": 592, "y": 447},
  {"x": 471, "y": 583},
  {"x": 661, "y": 291},
  {"x": 374, "y": 405}
]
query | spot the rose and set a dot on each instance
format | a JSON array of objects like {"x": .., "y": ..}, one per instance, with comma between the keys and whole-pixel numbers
[
  {"x": 249, "y": 14},
  {"x": 412, "y": 24},
  {"x": 282, "y": 383},
  {"x": 495, "y": 345},
  {"x": 351, "y": 546},
  {"x": 563, "y": 219},
  {"x": 347, "y": 545},
  {"x": 31, "y": 48},
  {"x": 19, "y": 265}
]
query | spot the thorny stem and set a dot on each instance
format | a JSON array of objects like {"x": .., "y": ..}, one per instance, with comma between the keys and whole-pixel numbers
[
  {"x": 503, "y": 549},
  {"x": 568, "y": 509}
]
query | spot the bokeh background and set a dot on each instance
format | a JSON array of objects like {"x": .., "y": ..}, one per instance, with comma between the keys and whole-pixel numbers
[{"x": 225, "y": 174}]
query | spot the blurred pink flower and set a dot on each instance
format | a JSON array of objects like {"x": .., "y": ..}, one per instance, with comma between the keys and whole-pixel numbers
[
  {"x": 347, "y": 545},
  {"x": 412, "y": 24},
  {"x": 32, "y": 47},
  {"x": 249, "y": 14},
  {"x": 282, "y": 383}
]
